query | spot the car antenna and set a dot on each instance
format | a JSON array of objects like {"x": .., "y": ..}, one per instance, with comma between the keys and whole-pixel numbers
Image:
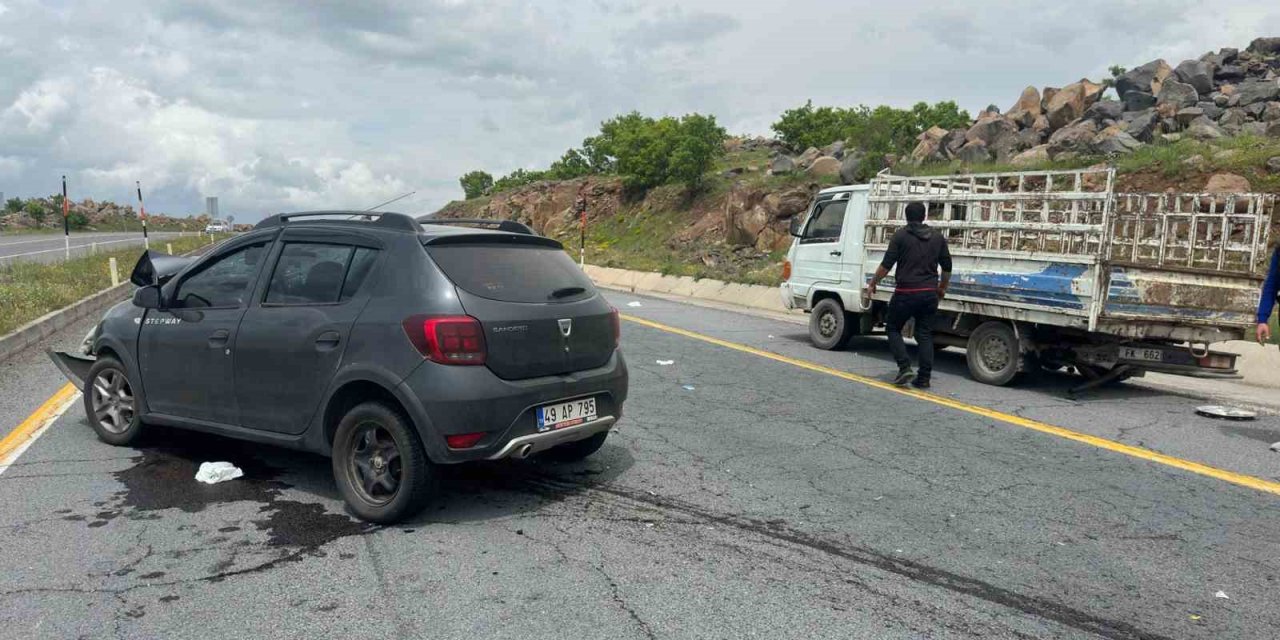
[{"x": 379, "y": 206}]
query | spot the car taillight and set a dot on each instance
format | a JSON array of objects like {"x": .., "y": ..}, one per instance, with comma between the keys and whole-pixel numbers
[
  {"x": 786, "y": 269},
  {"x": 447, "y": 339},
  {"x": 615, "y": 323},
  {"x": 1217, "y": 361}
]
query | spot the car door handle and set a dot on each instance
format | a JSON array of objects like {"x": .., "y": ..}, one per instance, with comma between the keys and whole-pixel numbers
[
  {"x": 219, "y": 338},
  {"x": 328, "y": 340},
  {"x": 836, "y": 253}
]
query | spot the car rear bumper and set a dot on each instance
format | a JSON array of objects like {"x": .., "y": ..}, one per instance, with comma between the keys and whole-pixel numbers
[{"x": 450, "y": 400}]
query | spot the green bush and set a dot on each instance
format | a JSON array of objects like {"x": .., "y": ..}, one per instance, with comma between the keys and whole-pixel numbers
[
  {"x": 36, "y": 211},
  {"x": 876, "y": 132},
  {"x": 13, "y": 205},
  {"x": 648, "y": 152},
  {"x": 517, "y": 178},
  {"x": 475, "y": 184}
]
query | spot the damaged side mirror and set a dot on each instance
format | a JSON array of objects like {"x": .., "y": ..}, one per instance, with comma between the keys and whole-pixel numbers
[{"x": 147, "y": 297}]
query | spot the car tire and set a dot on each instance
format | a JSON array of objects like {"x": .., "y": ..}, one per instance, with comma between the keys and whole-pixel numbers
[
  {"x": 994, "y": 354},
  {"x": 577, "y": 450},
  {"x": 111, "y": 403},
  {"x": 379, "y": 465},
  {"x": 829, "y": 326}
]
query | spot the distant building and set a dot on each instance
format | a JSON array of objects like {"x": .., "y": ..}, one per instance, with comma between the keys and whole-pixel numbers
[{"x": 211, "y": 207}]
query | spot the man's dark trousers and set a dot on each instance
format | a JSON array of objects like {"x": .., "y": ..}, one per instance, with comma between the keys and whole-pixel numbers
[{"x": 922, "y": 306}]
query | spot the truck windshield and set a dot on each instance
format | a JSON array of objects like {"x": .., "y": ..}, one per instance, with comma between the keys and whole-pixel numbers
[{"x": 826, "y": 223}]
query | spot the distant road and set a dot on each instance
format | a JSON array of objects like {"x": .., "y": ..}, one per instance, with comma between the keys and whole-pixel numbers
[{"x": 49, "y": 247}]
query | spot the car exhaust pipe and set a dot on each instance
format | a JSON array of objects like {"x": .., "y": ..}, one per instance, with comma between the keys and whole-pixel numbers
[{"x": 523, "y": 452}]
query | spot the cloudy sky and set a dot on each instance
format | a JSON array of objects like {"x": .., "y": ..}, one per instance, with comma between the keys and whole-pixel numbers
[{"x": 325, "y": 104}]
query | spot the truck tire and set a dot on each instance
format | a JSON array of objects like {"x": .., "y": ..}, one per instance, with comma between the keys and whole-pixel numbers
[
  {"x": 994, "y": 354},
  {"x": 829, "y": 326}
]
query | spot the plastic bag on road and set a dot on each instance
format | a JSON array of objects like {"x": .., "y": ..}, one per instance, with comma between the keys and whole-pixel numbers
[
  {"x": 665, "y": 363},
  {"x": 215, "y": 472},
  {"x": 634, "y": 303}
]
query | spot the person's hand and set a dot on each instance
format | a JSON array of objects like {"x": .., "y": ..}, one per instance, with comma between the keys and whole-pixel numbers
[
  {"x": 942, "y": 291},
  {"x": 1263, "y": 332},
  {"x": 871, "y": 288}
]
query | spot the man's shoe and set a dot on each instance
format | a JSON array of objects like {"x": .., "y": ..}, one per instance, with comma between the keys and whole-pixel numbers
[
  {"x": 920, "y": 384},
  {"x": 904, "y": 377}
]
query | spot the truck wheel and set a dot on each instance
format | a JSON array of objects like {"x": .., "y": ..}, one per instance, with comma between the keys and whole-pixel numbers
[
  {"x": 829, "y": 325},
  {"x": 111, "y": 403},
  {"x": 575, "y": 451},
  {"x": 993, "y": 353},
  {"x": 379, "y": 465}
]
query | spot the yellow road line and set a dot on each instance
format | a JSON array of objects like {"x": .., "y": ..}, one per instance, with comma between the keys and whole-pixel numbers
[
  {"x": 37, "y": 421},
  {"x": 1241, "y": 479}
]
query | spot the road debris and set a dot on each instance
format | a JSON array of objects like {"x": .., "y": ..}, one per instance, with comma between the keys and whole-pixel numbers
[
  {"x": 1222, "y": 594},
  {"x": 634, "y": 303},
  {"x": 1225, "y": 412},
  {"x": 215, "y": 472},
  {"x": 1275, "y": 446},
  {"x": 687, "y": 387},
  {"x": 665, "y": 362}
]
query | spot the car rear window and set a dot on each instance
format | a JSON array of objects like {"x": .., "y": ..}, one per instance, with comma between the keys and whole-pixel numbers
[{"x": 513, "y": 272}]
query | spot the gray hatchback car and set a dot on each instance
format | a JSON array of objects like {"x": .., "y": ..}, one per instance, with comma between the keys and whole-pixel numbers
[{"x": 391, "y": 345}]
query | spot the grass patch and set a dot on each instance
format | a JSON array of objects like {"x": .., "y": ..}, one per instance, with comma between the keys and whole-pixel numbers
[{"x": 29, "y": 290}]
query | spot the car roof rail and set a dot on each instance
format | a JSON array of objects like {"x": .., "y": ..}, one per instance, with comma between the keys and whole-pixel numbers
[
  {"x": 390, "y": 220},
  {"x": 510, "y": 226}
]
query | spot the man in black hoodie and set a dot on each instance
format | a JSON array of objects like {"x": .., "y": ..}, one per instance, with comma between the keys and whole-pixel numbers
[{"x": 918, "y": 251}]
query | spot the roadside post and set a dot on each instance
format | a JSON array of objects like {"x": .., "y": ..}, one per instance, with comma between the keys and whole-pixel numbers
[
  {"x": 66, "y": 221},
  {"x": 93, "y": 248},
  {"x": 115, "y": 273},
  {"x": 168, "y": 248},
  {"x": 142, "y": 211}
]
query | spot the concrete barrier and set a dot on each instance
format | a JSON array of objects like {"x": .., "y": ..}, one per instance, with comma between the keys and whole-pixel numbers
[{"x": 46, "y": 325}]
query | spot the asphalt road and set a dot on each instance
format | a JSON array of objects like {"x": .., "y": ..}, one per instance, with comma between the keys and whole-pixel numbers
[
  {"x": 739, "y": 497},
  {"x": 51, "y": 247}
]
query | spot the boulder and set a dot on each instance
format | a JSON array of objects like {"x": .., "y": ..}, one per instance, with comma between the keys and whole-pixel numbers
[
  {"x": 1251, "y": 92},
  {"x": 1074, "y": 137},
  {"x": 1220, "y": 99},
  {"x": 1273, "y": 164},
  {"x": 790, "y": 203},
  {"x": 954, "y": 139},
  {"x": 1072, "y": 101},
  {"x": 1028, "y": 138},
  {"x": 930, "y": 145},
  {"x": 1036, "y": 155},
  {"x": 1179, "y": 94},
  {"x": 1195, "y": 162},
  {"x": 1272, "y": 129},
  {"x": 1138, "y": 100},
  {"x": 1024, "y": 112},
  {"x": 1204, "y": 129},
  {"x": 849, "y": 166},
  {"x": 991, "y": 130},
  {"x": 1265, "y": 46},
  {"x": 1229, "y": 73},
  {"x": 1259, "y": 129},
  {"x": 751, "y": 221},
  {"x": 835, "y": 149},
  {"x": 805, "y": 159},
  {"x": 1104, "y": 110},
  {"x": 1187, "y": 115},
  {"x": 1142, "y": 125},
  {"x": 974, "y": 151},
  {"x": 1148, "y": 78},
  {"x": 1046, "y": 96},
  {"x": 1227, "y": 183},
  {"x": 1041, "y": 125},
  {"x": 1197, "y": 74},
  {"x": 1234, "y": 117},
  {"x": 1211, "y": 110},
  {"x": 1114, "y": 141},
  {"x": 1271, "y": 113},
  {"x": 824, "y": 166},
  {"x": 782, "y": 164}
]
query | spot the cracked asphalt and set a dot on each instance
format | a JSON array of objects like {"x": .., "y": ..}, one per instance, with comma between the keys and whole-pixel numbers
[{"x": 739, "y": 497}]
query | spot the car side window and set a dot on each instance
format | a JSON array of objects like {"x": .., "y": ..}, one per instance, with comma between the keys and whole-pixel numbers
[
  {"x": 361, "y": 263},
  {"x": 309, "y": 273},
  {"x": 826, "y": 223},
  {"x": 225, "y": 282}
]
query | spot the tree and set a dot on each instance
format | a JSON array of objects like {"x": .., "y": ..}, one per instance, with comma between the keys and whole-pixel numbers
[
  {"x": 475, "y": 184},
  {"x": 13, "y": 205},
  {"x": 36, "y": 211},
  {"x": 648, "y": 152},
  {"x": 517, "y": 178},
  {"x": 572, "y": 164},
  {"x": 77, "y": 220},
  {"x": 700, "y": 141},
  {"x": 805, "y": 127}
]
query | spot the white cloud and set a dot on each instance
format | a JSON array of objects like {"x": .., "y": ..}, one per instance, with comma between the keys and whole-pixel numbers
[{"x": 276, "y": 106}]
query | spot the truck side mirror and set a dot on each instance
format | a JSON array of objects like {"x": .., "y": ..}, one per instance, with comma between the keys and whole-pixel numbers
[
  {"x": 797, "y": 225},
  {"x": 147, "y": 297}
]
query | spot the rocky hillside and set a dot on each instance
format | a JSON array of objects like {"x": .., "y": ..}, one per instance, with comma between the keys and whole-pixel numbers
[
  {"x": 1205, "y": 124},
  {"x": 46, "y": 213}
]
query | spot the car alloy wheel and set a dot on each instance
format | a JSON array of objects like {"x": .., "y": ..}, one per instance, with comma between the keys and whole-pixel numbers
[
  {"x": 113, "y": 403},
  {"x": 375, "y": 464}
]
